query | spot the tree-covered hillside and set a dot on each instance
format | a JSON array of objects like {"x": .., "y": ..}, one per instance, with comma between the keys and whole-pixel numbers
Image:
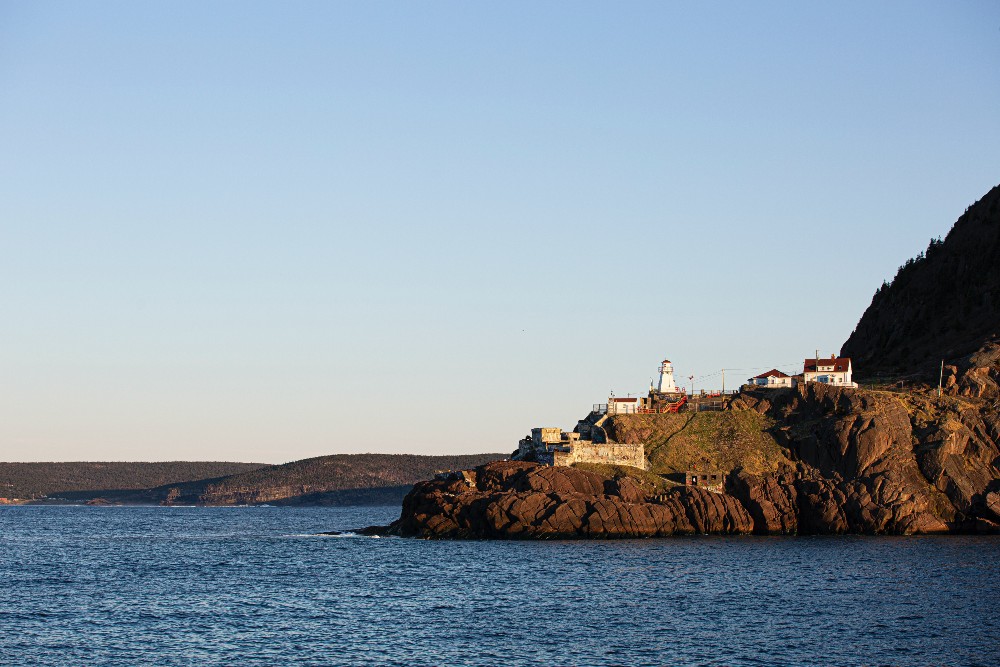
[
  {"x": 339, "y": 479},
  {"x": 309, "y": 479},
  {"x": 942, "y": 305},
  {"x": 37, "y": 480}
]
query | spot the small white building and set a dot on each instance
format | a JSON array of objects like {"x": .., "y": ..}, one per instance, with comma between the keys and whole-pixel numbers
[
  {"x": 773, "y": 379},
  {"x": 835, "y": 370},
  {"x": 623, "y": 406}
]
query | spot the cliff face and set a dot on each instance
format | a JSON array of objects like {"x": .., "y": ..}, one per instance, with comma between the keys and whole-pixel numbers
[
  {"x": 944, "y": 304},
  {"x": 858, "y": 461},
  {"x": 876, "y": 462},
  {"x": 515, "y": 499}
]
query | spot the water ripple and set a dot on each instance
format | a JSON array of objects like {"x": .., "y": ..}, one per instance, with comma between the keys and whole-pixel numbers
[{"x": 258, "y": 586}]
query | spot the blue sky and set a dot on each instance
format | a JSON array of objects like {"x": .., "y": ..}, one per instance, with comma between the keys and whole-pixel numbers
[{"x": 266, "y": 231}]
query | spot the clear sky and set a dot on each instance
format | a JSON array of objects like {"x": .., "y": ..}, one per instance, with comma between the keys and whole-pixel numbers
[{"x": 267, "y": 231}]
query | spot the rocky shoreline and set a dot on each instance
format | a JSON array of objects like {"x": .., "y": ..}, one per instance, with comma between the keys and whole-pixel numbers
[{"x": 863, "y": 462}]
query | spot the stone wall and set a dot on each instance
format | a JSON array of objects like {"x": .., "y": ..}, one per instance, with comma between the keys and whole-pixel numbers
[{"x": 612, "y": 453}]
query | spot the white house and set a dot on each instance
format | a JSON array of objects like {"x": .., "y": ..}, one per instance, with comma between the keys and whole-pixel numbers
[
  {"x": 835, "y": 370},
  {"x": 773, "y": 379}
]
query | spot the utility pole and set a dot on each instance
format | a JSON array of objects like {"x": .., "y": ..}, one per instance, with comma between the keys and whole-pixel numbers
[
  {"x": 691, "y": 378},
  {"x": 723, "y": 381},
  {"x": 941, "y": 377}
]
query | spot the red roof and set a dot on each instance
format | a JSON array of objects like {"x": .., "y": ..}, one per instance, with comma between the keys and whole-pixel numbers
[
  {"x": 773, "y": 373},
  {"x": 840, "y": 364},
  {"x": 624, "y": 400}
]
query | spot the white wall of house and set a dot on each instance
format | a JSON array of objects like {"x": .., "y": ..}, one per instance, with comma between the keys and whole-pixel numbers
[
  {"x": 841, "y": 379},
  {"x": 618, "y": 406},
  {"x": 773, "y": 382}
]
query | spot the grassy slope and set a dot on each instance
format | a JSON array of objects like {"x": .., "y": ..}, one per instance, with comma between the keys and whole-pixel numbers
[{"x": 705, "y": 441}]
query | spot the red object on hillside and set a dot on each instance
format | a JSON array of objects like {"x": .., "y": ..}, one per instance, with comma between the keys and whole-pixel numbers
[{"x": 674, "y": 407}]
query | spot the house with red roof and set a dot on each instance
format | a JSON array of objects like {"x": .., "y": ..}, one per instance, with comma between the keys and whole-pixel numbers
[
  {"x": 835, "y": 370},
  {"x": 773, "y": 379}
]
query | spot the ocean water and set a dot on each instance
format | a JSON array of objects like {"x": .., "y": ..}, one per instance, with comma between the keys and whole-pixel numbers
[{"x": 253, "y": 586}]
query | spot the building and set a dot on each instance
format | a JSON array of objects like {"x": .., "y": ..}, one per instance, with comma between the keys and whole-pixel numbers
[
  {"x": 835, "y": 370},
  {"x": 710, "y": 481},
  {"x": 773, "y": 379},
  {"x": 587, "y": 443},
  {"x": 623, "y": 406},
  {"x": 665, "y": 384}
]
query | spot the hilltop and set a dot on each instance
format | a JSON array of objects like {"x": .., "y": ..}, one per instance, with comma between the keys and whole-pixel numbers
[{"x": 943, "y": 304}]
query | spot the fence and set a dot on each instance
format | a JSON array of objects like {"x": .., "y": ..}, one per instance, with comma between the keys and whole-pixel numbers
[{"x": 705, "y": 400}]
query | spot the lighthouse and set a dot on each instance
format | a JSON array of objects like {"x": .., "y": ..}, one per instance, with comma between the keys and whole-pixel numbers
[{"x": 666, "y": 384}]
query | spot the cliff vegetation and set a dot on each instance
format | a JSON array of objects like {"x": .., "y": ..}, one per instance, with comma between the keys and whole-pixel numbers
[
  {"x": 708, "y": 441},
  {"x": 85, "y": 480}
]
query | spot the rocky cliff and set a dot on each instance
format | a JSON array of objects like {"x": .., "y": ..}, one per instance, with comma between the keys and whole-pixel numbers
[
  {"x": 942, "y": 305},
  {"x": 858, "y": 461},
  {"x": 875, "y": 462},
  {"x": 515, "y": 499},
  {"x": 811, "y": 460}
]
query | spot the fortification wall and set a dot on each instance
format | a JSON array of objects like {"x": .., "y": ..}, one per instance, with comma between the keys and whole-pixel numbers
[{"x": 614, "y": 453}]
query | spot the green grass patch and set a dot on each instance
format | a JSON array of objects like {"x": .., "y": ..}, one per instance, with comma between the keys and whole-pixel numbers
[{"x": 710, "y": 441}]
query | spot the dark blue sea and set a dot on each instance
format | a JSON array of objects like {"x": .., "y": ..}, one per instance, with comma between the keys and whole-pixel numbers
[{"x": 251, "y": 586}]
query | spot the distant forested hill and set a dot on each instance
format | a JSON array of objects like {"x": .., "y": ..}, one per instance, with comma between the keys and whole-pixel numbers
[
  {"x": 36, "y": 480},
  {"x": 339, "y": 479},
  {"x": 336, "y": 479}
]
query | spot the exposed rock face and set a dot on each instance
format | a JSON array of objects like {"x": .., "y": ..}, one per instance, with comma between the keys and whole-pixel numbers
[
  {"x": 975, "y": 375},
  {"x": 876, "y": 462},
  {"x": 516, "y": 499},
  {"x": 864, "y": 462},
  {"x": 944, "y": 304}
]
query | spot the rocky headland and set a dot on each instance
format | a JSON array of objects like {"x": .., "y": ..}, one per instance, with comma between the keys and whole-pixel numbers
[
  {"x": 886, "y": 458},
  {"x": 858, "y": 461}
]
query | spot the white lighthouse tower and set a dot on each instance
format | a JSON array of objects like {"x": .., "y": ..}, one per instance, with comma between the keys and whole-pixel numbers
[{"x": 666, "y": 383}]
